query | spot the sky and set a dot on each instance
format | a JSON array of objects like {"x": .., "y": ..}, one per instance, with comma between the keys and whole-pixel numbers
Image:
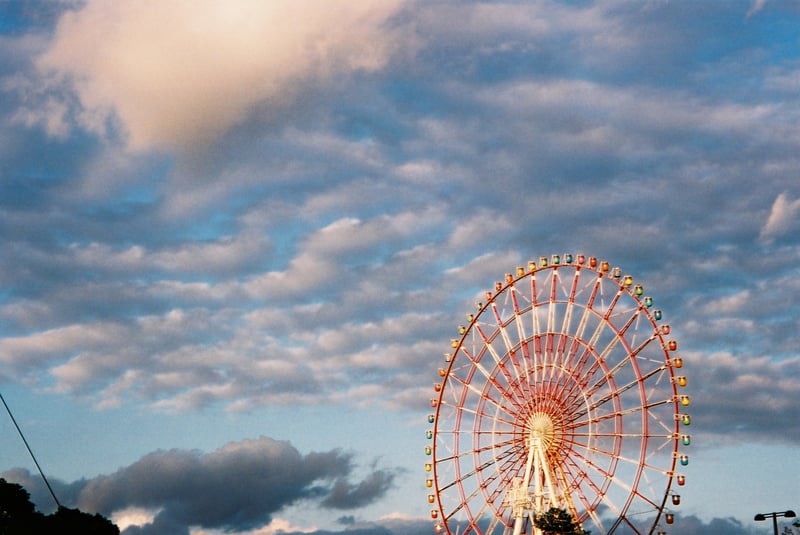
[{"x": 237, "y": 238}]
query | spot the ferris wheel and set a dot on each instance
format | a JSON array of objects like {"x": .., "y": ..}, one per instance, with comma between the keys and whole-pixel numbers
[{"x": 562, "y": 391}]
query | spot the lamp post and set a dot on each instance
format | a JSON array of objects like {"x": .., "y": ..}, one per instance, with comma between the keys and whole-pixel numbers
[{"x": 763, "y": 516}]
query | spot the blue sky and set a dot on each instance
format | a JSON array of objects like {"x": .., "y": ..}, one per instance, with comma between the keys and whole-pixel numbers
[{"x": 237, "y": 237}]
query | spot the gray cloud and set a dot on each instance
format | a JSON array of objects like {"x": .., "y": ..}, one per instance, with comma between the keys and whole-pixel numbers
[
  {"x": 759, "y": 392},
  {"x": 346, "y": 495},
  {"x": 717, "y": 526},
  {"x": 238, "y": 487}
]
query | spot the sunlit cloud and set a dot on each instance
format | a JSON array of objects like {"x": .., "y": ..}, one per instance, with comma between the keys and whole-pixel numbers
[
  {"x": 181, "y": 73},
  {"x": 785, "y": 213}
]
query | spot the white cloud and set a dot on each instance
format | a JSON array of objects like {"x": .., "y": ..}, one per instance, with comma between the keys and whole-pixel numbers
[
  {"x": 133, "y": 516},
  {"x": 484, "y": 224},
  {"x": 224, "y": 254},
  {"x": 757, "y": 6},
  {"x": 178, "y": 73},
  {"x": 781, "y": 218},
  {"x": 26, "y": 349}
]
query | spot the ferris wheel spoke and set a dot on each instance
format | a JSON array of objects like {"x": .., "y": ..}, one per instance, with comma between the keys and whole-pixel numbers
[
  {"x": 478, "y": 516},
  {"x": 604, "y": 355},
  {"x": 604, "y": 324},
  {"x": 511, "y": 378},
  {"x": 613, "y": 456},
  {"x": 592, "y": 344},
  {"x": 600, "y": 497},
  {"x": 484, "y": 396},
  {"x": 467, "y": 500},
  {"x": 589, "y": 508},
  {"x": 631, "y": 322},
  {"x": 577, "y": 337},
  {"x": 501, "y": 323},
  {"x": 475, "y": 363},
  {"x": 617, "y": 414},
  {"x": 522, "y": 336},
  {"x": 488, "y": 340},
  {"x": 459, "y": 411},
  {"x": 510, "y": 346},
  {"x": 535, "y": 327},
  {"x": 477, "y": 413},
  {"x": 504, "y": 414},
  {"x": 551, "y": 317},
  {"x": 497, "y": 521},
  {"x": 487, "y": 344},
  {"x": 609, "y": 310},
  {"x": 574, "y": 393},
  {"x": 579, "y": 464},
  {"x": 476, "y": 470},
  {"x": 580, "y": 393},
  {"x": 620, "y": 389},
  {"x": 578, "y": 489},
  {"x": 639, "y": 463},
  {"x": 636, "y": 494},
  {"x": 625, "y": 361},
  {"x": 490, "y": 377},
  {"x": 566, "y": 331},
  {"x": 468, "y": 453},
  {"x": 558, "y": 382},
  {"x": 624, "y": 519},
  {"x": 670, "y": 429},
  {"x": 614, "y": 482},
  {"x": 623, "y": 435}
]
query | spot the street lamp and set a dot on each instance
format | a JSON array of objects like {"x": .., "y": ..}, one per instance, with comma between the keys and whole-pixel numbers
[{"x": 763, "y": 516}]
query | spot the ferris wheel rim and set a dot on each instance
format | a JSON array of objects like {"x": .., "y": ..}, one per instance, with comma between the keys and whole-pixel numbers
[{"x": 512, "y": 383}]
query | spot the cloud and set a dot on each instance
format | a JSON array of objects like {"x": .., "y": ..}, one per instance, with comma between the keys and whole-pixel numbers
[
  {"x": 262, "y": 350},
  {"x": 689, "y": 525},
  {"x": 782, "y": 217},
  {"x": 756, "y": 6},
  {"x": 238, "y": 487},
  {"x": 758, "y": 392},
  {"x": 180, "y": 73},
  {"x": 346, "y": 495}
]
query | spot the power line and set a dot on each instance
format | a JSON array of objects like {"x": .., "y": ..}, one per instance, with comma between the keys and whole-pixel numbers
[{"x": 30, "y": 451}]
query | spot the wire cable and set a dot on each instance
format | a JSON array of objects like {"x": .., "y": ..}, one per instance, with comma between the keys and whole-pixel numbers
[{"x": 30, "y": 451}]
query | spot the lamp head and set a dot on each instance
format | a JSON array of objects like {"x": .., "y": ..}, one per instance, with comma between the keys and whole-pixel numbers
[{"x": 761, "y": 516}]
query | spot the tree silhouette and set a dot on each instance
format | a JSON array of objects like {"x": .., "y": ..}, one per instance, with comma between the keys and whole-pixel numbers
[
  {"x": 557, "y": 521},
  {"x": 17, "y": 513},
  {"x": 18, "y": 516},
  {"x": 67, "y": 520}
]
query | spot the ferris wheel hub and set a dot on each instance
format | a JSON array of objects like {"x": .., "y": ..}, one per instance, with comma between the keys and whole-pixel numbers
[{"x": 543, "y": 431}]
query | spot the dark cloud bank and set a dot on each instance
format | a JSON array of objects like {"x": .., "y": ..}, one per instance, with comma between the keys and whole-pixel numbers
[{"x": 236, "y": 488}]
